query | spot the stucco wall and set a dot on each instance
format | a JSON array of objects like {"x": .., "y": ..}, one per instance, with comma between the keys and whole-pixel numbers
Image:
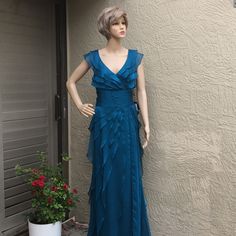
[{"x": 189, "y": 51}]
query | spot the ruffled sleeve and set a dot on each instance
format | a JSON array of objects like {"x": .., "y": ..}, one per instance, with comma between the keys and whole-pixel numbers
[
  {"x": 139, "y": 58},
  {"x": 88, "y": 58}
]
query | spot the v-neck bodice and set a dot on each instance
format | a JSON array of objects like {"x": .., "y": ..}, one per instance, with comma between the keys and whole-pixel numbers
[
  {"x": 124, "y": 63},
  {"x": 104, "y": 78}
]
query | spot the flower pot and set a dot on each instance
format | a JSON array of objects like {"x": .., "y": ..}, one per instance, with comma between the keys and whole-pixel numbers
[{"x": 44, "y": 229}]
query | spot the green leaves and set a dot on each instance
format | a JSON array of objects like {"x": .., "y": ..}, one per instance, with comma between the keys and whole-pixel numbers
[
  {"x": 51, "y": 196},
  {"x": 66, "y": 158}
]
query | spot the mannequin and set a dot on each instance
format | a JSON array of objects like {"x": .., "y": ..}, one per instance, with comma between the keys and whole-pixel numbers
[{"x": 117, "y": 71}]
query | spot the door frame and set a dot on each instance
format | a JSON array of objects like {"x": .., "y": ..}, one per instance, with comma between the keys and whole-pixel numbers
[{"x": 61, "y": 98}]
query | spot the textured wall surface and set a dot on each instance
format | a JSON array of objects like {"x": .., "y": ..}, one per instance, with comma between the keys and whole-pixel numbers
[{"x": 189, "y": 51}]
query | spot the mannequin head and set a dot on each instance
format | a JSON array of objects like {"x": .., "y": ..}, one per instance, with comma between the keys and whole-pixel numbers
[{"x": 111, "y": 21}]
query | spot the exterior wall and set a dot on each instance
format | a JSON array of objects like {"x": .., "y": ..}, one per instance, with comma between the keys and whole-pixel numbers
[{"x": 189, "y": 57}]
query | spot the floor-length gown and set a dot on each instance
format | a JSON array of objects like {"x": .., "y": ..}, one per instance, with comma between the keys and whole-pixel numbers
[{"x": 117, "y": 201}]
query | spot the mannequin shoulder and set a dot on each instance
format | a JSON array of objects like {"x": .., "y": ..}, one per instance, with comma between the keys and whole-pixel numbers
[
  {"x": 138, "y": 57},
  {"x": 91, "y": 52},
  {"x": 89, "y": 57},
  {"x": 139, "y": 52}
]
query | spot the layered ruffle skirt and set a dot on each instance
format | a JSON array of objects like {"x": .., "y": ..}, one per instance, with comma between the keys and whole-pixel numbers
[{"x": 117, "y": 201}]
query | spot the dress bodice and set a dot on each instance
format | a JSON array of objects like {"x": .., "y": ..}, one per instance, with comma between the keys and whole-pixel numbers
[{"x": 104, "y": 78}]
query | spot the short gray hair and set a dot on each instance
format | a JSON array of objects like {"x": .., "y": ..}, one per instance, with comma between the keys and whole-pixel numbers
[{"x": 107, "y": 17}]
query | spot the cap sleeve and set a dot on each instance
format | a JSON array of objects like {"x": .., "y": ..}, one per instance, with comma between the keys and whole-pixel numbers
[
  {"x": 88, "y": 58},
  {"x": 139, "y": 58}
]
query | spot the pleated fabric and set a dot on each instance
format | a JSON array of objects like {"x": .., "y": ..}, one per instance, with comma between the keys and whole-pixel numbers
[{"x": 118, "y": 205}]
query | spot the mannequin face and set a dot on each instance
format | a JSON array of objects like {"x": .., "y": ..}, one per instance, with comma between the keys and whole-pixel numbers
[{"x": 118, "y": 28}]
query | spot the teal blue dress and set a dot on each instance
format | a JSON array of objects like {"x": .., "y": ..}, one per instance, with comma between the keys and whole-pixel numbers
[{"x": 117, "y": 202}]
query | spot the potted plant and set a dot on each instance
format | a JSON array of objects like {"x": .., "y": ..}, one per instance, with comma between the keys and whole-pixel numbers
[{"x": 52, "y": 197}]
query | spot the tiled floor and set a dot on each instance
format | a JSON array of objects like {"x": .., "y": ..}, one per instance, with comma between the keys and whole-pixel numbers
[
  {"x": 78, "y": 233},
  {"x": 73, "y": 228},
  {"x": 74, "y": 232}
]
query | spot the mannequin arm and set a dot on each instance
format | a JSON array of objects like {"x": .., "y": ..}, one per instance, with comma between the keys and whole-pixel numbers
[
  {"x": 77, "y": 74},
  {"x": 142, "y": 100}
]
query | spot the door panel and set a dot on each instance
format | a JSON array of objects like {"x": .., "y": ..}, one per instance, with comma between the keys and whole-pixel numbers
[{"x": 27, "y": 90}]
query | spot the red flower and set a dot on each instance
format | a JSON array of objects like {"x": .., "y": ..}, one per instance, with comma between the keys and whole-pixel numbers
[
  {"x": 42, "y": 177},
  {"x": 69, "y": 201},
  {"x": 34, "y": 183},
  {"x": 65, "y": 186},
  {"x": 41, "y": 184},
  {"x": 75, "y": 191},
  {"x": 54, "y": 188}
]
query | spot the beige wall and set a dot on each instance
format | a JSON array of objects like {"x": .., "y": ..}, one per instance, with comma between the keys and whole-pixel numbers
[{"x": 189, "y": 51}]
